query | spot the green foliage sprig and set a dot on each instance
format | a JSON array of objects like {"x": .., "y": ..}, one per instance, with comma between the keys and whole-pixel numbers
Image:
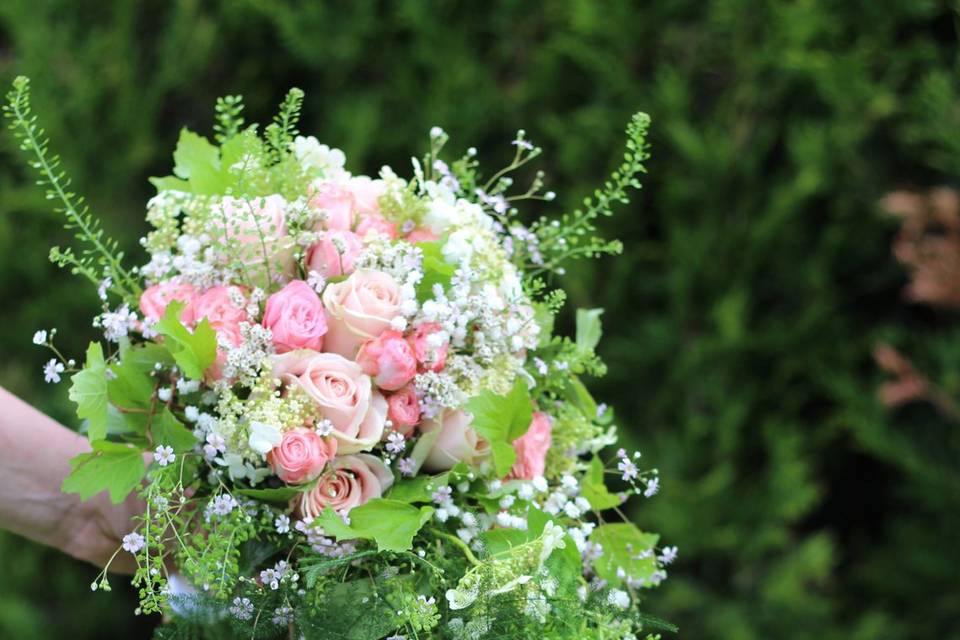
[{"x": 102, "y": 258}]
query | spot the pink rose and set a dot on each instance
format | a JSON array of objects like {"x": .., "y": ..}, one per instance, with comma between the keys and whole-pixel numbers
[
  {"x": 154, "y": 300},
  {"x": 335, "y": 201},
  {"x": 457, "y": 442},
  {"x": 376, "y": 223},
  {"x": 255, "y": 229},
  {"x": 301, "y": 455},
  {"x": 295, "y": 316},
  {"x": 218, "y": 308},
  {"x": 343, "y": 393},
  {"x": 532, "y": 448},
  {"x": 430, "y": 356},
  {"x": 359, "y": 309},
  {"x": 352, "y": 481},
  {"x": 404, "y": 410},
  {"x": 422, "y": 234},
  {"x": 389, "y": 359},
  {"x": 366, "y": 194},
  {"x": 324, "y": 258}
]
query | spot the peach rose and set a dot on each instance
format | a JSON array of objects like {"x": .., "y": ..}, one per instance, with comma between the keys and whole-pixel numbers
[
  {"x": 430, "y": 357},
  {"x": 324, "y": 258},
  {"x": 154, "y": 300},
  {"x": 458, "y": 442},
  {"x": 218, "y": 308},
  {"x": 352, "y": 481},
  {"x": 388, "y": 359},
  {"x": 301, "y": 455},
  {"x": 403, "y": 409},
  {"x": 532, "y": 448},
  {"x": 296, "y": 318},
  {"x": 344, "y": 394},
  {"x": 359, "y": 309}
]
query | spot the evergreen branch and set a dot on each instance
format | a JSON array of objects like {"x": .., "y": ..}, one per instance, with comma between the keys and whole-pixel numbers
[{"x": 87, "y": 228}]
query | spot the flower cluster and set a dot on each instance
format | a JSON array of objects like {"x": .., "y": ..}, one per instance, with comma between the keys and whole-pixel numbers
[{"x": 347, "y": 381}]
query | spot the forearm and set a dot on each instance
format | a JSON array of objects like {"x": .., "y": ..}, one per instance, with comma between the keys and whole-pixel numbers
[{"x": 36, "y": 451}]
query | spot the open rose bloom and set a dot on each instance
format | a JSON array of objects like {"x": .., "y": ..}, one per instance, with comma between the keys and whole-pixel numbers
[{"x": 350, "y": 383}]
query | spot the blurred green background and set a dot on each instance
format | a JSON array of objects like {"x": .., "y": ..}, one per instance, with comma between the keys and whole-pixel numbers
[{"x": 756, "y": 278}]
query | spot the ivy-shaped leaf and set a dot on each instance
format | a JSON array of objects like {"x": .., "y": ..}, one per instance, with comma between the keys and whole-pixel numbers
[
  {"x": 389, "y": 523},
  {"x": 170, "y": 432},
  {"x": 624, "y": 547},
  {"x": 436, "y": 270},
  {"x": 112, "y": 467},
  {"x": 594, "y": 490},
  {"x": 501, "y": 420},
  {"x": 193, "y": 352},
  {"x": 89, "y": 391}
]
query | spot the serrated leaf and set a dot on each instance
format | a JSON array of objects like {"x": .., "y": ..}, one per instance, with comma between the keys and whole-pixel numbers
[
  {"x": 112, "y": 467},
  {"x": 170, "y": 183},
  {"x": 89, "y": 392},
  {"x": 131, "y": 385},
  {"x": 389, "y": 523},
  {"x": 594, "y": 490},
  {"x": 589, "y": 328},
  {"x": 170, "y": 432},
  {"x": 194, "y": 154},
  {"x": 193, "y": 352},
  {"x": 417, "y": 489},
  {"x": 622, "y": 544},
  {"x": 501, "y": 420}
]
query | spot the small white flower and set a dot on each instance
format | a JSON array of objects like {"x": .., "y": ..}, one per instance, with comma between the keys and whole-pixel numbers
[
  {"x": 406, "y": 466},
  {"x": 133, "y": 542},
  {"x": 264, "y": 437},
  {"x": 396, "y": 443},
  {"x": 40, "y": 337},
  {"x": 442, "y": 495},
  {"x": 164, "y": 394},
  {"x": 242, "y": 608},
  {"x": 627, "y": 468},
  {"x": 191, "y": 413},
  {"x": 164, "y": 455},
  {"x": 653, "y": 486},
  {"x": 540, "y": 484},
  {"x": 52, "y": 371},
  {"x": 282, "y": 523},
  {"x": 436, "y": 132},
  {"x": 619, "y": 598},
  {"x": 668, "y": 555}
]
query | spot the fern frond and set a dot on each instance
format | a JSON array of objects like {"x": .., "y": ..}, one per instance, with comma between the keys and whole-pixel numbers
[
  {"x": 102, "y": 256},
  {"x": 228, "y": 119},
  {"x": 281, "y": 132}
]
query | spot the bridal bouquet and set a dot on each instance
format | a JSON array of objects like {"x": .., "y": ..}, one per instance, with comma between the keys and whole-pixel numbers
[{"x": 342, "y": 401}]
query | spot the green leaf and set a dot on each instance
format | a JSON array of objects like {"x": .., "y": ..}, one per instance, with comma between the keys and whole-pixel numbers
[
  {"x": 589, "y": 328},
  {"x": 390, "y": 523},
  {"x": 594, "y": 490},
  {"x": 116, "y": 468},
  {"x": 193, "y": 352},
  {"x": 544, "y": 319},
  {"x": 436, "y": 270},
  {"x": 622, "y": 543},
  {"x": 131, "y": 386},
  {"x": 419, "y": 488},
  {"x": 198, "y": 161},
  {"x": 170, "y": 432},
  {"x": 170, "y": 183},
  {"x": 89, "y": 392},
  {"x": 501, "y": 420},
  {"x": 576, "y": 393},
  {"x": 280, "y": 495}
]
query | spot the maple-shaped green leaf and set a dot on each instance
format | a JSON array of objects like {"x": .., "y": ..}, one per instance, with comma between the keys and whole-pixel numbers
[
  {"x": 500, "y": 420},
  {"x": 170, "y": 432},
  {"x": 389, "y": 523},
  {"x": 89, "y": 392},
  {"x": 112, "y": 467},
  {"x": 193, "y": 352},
  {"x": 624, "y": 547},
  {"x": 594, "y": 490}
]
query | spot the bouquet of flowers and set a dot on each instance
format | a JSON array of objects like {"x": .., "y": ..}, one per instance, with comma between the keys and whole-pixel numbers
[{"x": 341, "y": 398}]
